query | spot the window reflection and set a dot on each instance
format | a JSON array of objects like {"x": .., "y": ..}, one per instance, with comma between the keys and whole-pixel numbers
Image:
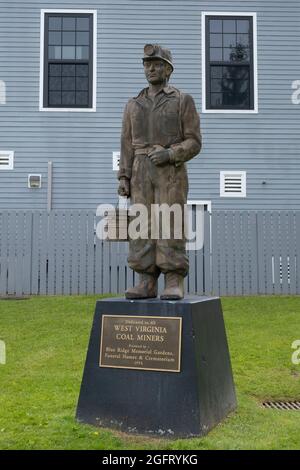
[{"x": 229, "y": 63}]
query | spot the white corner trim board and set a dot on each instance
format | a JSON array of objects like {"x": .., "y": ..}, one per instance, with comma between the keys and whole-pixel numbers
[{"x": 2, "y": 92}]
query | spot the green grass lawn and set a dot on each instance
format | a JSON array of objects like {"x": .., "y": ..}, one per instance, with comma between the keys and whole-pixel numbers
[{"x": 46, "y": 340}]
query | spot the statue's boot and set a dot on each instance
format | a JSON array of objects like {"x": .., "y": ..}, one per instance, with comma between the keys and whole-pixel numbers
[
  {"x": 147, "y": 288},
  {"x": 174, "y": 289}
]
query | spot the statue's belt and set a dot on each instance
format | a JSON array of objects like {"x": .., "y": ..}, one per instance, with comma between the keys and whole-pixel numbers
[{"x": 145, "y": 151}]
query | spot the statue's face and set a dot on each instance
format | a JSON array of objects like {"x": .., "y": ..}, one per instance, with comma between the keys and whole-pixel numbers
[{"x": 156, "y": 71}]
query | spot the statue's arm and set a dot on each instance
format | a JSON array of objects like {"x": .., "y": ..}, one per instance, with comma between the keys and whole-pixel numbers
[
  {"x": 127, "y": 154},
  {"x": 191, "y": 144}
]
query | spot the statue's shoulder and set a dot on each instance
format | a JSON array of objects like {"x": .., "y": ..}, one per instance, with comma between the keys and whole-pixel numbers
[
  {"x": 173, "y": 89},
  {"x": 132, "y": 101},
  {"x": 183, "y": 96},
  {"x": 141, "y": 94},
  {"x": 187, "y": 100}
]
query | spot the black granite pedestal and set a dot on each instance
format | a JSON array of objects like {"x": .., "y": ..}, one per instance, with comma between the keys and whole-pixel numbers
[{"x": 172, "y": 404}]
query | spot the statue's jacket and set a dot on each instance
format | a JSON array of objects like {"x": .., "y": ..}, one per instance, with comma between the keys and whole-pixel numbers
[{"x": 170, "y": 120}]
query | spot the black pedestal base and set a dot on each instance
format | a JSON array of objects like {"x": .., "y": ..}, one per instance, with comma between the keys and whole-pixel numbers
[{"x": 184, "y": 404}]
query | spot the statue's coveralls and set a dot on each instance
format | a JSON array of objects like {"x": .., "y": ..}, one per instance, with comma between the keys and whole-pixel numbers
[{"x": 169, "y": 120}]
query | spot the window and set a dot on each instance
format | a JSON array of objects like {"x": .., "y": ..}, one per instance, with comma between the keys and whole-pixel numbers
[
  {"x": 232, "y": 184},
  {"x": 68, "y": 60},
  {"x": 230, "y": 82}
]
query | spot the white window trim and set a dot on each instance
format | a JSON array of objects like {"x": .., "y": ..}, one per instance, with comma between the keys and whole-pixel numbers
[
  {"x": 2, "y": 92},
  {"x": 10, "y": 154},
  {"x": 197, "y": 202},
  {"x": 243, "y": 193},
  {"x": 255, "y": 81},
  {"x": 42, "y": 38},
  {"x": 200, "y": 203}
]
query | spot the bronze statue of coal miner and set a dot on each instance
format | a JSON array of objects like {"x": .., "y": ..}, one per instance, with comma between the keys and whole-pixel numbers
[{"x": 161, "y": 131}]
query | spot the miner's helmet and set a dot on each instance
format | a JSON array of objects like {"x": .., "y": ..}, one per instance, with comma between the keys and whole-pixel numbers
[{"x": 155, "y": 51}]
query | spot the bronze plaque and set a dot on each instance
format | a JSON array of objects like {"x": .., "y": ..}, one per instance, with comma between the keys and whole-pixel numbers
[{"x": 138, "y": 342}]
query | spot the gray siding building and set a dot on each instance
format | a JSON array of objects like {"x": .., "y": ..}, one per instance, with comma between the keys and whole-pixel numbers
[{"x": 68, "y": 68}]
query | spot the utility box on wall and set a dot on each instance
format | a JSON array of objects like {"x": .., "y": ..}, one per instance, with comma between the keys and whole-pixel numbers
[{"x": 34, "y": 181}]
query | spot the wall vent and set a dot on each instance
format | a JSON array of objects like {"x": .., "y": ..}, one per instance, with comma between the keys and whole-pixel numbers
[
  {"x": 232, "y": 184},
  {"x": 6, "y": 160}
]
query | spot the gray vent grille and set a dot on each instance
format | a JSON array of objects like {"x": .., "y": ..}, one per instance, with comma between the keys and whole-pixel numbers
[
  {"x": 233, "y": 184},
  {"x": 282, "y": 405}
]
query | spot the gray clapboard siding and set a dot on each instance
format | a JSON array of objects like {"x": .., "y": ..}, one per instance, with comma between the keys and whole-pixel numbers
[{"x": 80, "y": 145}]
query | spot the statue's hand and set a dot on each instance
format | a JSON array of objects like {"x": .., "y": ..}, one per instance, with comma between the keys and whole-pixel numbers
[
  {"x": 124, "y": 187},
  {"x": 160, "y": 157}
]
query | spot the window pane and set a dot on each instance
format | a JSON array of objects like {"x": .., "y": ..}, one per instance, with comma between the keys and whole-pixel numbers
[
  {"x": 54, "y": 52},
  {"x": 216, "y": 54},
  {"x": 236, "y": 72},
  {"x": 83, "y": 24},
  {"x": 68, "y": 83},
  {"x": 82, "y": 52},
  {"x": 82, "y": 84},
  {"x": 243, "y": 39},
  {"x": 229, "y": 40},
  {"x": 215, "y": 40},
  {"x": 241, "y": 86},
  {"x": 227, "y": 84},
  {"x": 216, "y": 72},
  {"x": 242, "y": 73},
  {"x": 236, "y": 100},
  {"x": 236, "y": 54},
  {"x": 229, "y": 26},
  {"x": 68, "y": 52},
  {"x": 54, "y": 37},
  {"x": 54, "y": 83},
  {"x": 68, "y": 98},
  {"x": 68, "y": 70},
  {"x": 55, "y": 70},
  {"x": 228, "y": 54},
  {"x": 55, "y": 23},
  {"x": 215, "y": 26},
  {"x": 242, "y": 26},
  {"x": 82, "y": 70},
  {"x": 69, "y": 38},
  {"x": 54, "y": 98},
  {"x": 216, "y": 99},
  {"x": 82, "y": 98},
  {"x": 216, "y": 85},
  {"x": 240, "y": 54},
  {"x": 82, "y": 38},
  {"x": 68, "y": 24}
]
